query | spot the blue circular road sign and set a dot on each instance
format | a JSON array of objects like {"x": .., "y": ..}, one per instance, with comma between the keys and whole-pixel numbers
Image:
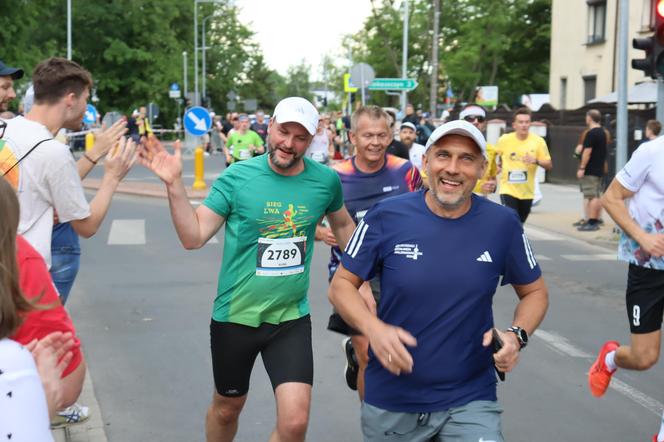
[
  {"x": 90, "y": 116},
  {"x": 197, "y": 121}
]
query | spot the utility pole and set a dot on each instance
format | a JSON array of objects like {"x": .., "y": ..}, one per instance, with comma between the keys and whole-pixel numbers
[
  {"x": 404, "y": 58},
  {"x": 204, "y": 58},
  {"x": 196, "y": 103},
  {"x": 621, "y": 123},
  {"x": 68, "y": 29},
  {"x": 350, "y": 65},
  {"x": 433, "y": 95}
]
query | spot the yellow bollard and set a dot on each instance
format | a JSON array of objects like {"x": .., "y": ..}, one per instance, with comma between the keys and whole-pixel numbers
[
  {"x": 89, "y": 141},
  {"x": 199, "y": 170}
]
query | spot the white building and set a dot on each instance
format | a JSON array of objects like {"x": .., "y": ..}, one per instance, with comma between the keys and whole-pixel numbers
[{"x": 584, "y": 49}]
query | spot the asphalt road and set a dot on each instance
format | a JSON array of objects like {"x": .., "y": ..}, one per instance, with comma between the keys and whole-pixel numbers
[{"x": 142, "y": 306}]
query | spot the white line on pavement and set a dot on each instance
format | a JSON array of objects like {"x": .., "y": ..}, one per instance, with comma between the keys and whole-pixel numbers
[
  {"x": 127, "y": 232},
  {"x": 563, "y": 346},
  {"x": 542, "y": 258},
  {"x": 541, "y": 235},
  {"x": 591, "y": 257},
  {"x": 213, "y": 240},
  {"x": 645, "y": 401}
]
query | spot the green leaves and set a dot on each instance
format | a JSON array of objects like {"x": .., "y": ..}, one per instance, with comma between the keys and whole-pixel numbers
[
  {"x": 482, "y": 42},
  {"x": 133, "y": 48}
]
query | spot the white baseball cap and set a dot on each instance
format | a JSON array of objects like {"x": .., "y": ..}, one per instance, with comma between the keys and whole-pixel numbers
[
  {"x": 297, "y": 110},
  {"x": 409, "y": 125},
  {"x": 458, "y": 127},
  {"x": 472, "y": 110}
]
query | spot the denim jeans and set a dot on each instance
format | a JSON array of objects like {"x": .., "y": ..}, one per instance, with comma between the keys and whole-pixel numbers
[{"x": 65, "y": 258}]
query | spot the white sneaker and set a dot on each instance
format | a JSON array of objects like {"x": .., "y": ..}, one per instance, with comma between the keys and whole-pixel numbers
[{"x": 73, "y": 414}]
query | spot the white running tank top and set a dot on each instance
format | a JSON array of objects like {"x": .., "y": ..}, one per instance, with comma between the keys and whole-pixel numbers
[{"x": 318, "y": 149}]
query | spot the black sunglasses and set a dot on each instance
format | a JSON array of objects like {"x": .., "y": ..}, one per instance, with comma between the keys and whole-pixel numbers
[{"x": 472, "y": 118}]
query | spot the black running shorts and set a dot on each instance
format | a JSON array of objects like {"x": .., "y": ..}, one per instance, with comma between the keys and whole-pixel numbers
[
  {"x": 284, "y": 348},
  {"x": 522, "y": 207},
  {"x": 644, "y": 299},
  {"x": 337, "y": 324}
]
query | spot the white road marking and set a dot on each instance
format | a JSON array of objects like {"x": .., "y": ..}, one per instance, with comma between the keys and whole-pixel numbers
[
  {"x": 127, "y": 232},
  {"x": 635, "y": 395},
  {"x": 591, "y": 257},
  {"x": 541, "y": 235},
  {"x": 213, "y": 240},
  {"x": 563, "y": 346},
  {"x": 542, "y": 258}
]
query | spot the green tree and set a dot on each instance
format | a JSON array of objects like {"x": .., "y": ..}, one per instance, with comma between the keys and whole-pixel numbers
[
  {"x": 133, "y": 48},
  {"x": 497, "y": 43},
  {"x": 379, "y": 44},
  {"x": 297, "y": 82},
  {"x": 332, "y": 79},
  {"x": 27, "y": 33},
  {"x": 482, "y": 42}
]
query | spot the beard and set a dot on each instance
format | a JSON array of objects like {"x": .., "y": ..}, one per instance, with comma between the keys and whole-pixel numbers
[
  {"x": 446, "y": 204},
  {"x": 280, "y": 163},
  {"x": 445, "y": 201}
]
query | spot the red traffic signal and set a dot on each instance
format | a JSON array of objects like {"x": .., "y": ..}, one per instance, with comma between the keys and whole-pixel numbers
[
  {"x": 658, "y": 48},
  {"x": 659, "y": 8}
]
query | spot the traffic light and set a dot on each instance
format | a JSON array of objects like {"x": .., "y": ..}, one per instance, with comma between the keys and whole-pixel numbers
[
  {"x": 658, "y": 49},
  {"x": 653, "y": 63},
  {"x": 646, "y": 64}
]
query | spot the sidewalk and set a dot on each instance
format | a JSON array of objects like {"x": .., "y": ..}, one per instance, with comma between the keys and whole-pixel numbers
[{"x": 561, "y": 207}]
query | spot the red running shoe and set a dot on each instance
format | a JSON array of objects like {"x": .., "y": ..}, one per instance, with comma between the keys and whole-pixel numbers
[{"x": 599, "y": 375}]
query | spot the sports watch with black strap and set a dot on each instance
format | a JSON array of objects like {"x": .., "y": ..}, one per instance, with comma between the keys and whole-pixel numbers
[{"x": 521, "y": 335}]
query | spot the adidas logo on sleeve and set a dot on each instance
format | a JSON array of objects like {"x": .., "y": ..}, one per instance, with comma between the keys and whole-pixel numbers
[{"x": 485, "y": 257}]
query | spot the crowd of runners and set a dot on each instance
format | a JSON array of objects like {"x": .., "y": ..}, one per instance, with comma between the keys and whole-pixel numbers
[{"x": 413, "y": 266}]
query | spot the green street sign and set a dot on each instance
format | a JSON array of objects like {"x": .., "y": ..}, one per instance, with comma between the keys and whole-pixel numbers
[{"x": 393, "y": 84}]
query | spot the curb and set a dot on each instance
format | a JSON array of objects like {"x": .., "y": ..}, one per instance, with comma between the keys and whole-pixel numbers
[
  {"x": 143, "y": 189},
  {"x": 561, "y": 224}
]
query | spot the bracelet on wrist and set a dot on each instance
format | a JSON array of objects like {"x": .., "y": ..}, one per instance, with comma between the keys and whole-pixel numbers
[{"x": 87, "y": 157}]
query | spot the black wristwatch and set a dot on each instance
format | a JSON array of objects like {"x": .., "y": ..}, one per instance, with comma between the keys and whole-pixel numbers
[{"x": 521, "y": 335}]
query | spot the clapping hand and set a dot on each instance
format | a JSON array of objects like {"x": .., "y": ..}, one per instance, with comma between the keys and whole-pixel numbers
[
  {"x": 120, "y": 159},
  {"x": 156, "y": 158},
  {"x": 107, "y": 137},
  {"x": 52, "y": 355}
]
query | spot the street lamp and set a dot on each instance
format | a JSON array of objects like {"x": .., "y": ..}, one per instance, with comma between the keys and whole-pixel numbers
[
  {"x": 404, "y": 57},
  {"x": 196, "y": 2},
  {"x": 204, "y": 59}
]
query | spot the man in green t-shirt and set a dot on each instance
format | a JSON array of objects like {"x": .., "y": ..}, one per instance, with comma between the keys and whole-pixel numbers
[
  {"x": 243, "y": 143},
  {"x": 271, "y": 205}
]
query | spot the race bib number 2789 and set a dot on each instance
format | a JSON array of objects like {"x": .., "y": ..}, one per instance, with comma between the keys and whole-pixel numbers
[{"x": 280, "y": 256}]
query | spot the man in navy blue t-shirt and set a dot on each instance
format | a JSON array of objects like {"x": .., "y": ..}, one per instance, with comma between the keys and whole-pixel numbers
[
  {"x": 367, "y": 177},
  {"x": 441, "y": 254}
]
